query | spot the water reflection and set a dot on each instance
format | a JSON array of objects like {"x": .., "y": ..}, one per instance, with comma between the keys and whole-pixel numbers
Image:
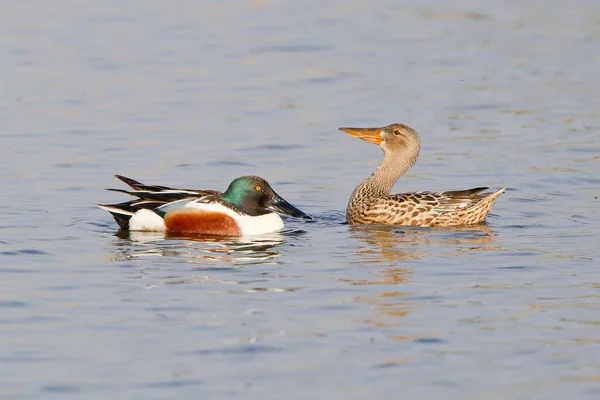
[
  {"x": 383, "y": 243},
  {"x": 393, "y": 244},
  {"x": 386, "y": 249},
  {"x": 203, "y": 250}
]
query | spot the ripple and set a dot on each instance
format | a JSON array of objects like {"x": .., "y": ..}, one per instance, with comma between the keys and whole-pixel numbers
[
  {"x": 290, "y": 49},
  {"x": 176, "y": 383},
  {"x": 13, "y": 304},
  {"x": 241, "y": 349},
  {"x": 236, "y": 163},
  {"x": 24, "y": 251},
  {"x": 60, "y": 389},
  {"x": 275, "y": 146},
  {"x": 9, "y": 270},
  {"x": 429, "y": 340}
]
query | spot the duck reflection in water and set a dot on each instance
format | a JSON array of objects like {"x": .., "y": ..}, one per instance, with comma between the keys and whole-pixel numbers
[
  {"x": 388, "y": 243},
  {"x": 204, "y": 250},
  {"x": 387, "y": 248}
]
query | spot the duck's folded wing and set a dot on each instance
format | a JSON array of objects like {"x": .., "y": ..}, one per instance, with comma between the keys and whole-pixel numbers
[
  {"x": 168, "y": 195},
  {"x": 204, "y": 202},
  {"x": 160, "y": 193},
  {"x": 419, "y": 206}
]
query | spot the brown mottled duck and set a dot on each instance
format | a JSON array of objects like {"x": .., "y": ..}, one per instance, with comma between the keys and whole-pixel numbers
[{"x": 372, "y": 203}]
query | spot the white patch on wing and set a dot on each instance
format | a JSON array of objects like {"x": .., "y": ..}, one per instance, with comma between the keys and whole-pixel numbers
[
  {"x": 174, "y": 205},
  {"x": 146, "y": 220},
  {"x": 170, "y": 191}
]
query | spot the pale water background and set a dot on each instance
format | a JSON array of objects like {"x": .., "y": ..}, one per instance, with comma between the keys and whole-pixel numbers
[{"x": 195, "y": 93}]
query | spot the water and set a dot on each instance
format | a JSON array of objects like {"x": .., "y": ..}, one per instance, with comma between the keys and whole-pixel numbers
[{"x": 194, "y": 94}]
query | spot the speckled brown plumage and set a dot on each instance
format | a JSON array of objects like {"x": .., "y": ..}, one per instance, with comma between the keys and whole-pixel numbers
[{"x": 372, "y": 203}]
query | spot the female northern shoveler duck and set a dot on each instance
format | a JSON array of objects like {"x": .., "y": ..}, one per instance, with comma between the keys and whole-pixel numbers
[
  {"x": 372, "y": 203},
  {"x": 245, "y": 208}
]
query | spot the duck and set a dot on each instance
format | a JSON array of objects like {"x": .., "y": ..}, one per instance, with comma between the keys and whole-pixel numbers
[
  {"x": 372, "y": 201},
  {"x": 249, "y": 206}
]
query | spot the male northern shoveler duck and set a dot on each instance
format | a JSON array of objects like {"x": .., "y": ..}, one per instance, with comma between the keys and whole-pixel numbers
[
  {"x": 245, "y": 208},
  {"x": 372, "y": 203}
]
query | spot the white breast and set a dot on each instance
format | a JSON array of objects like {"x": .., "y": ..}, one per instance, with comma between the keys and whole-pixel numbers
[{"x": 266, "y": 223}]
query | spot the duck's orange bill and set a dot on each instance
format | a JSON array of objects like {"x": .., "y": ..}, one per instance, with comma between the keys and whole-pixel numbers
[{"x": 371, "y": 135}]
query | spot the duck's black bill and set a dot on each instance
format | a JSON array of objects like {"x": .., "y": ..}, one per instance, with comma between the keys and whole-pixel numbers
[{"x": 281, "y": 206}]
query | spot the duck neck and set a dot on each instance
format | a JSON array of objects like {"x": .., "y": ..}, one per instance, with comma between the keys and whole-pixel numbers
[{"x": 392, "y": 167}]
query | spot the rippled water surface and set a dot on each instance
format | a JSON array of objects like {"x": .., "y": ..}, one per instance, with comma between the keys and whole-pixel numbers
[{"x": 193, "y": 94}]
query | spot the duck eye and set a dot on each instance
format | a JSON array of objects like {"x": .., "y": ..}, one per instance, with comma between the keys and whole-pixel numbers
[
  {"x": 258, "y": 188},
  {"x": 396, "y": 132}
]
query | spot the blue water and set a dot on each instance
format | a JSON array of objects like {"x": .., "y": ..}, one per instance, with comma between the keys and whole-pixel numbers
[{"x": 194, "y": 94}]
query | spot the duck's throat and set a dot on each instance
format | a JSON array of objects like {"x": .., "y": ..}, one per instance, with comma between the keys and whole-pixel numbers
[{"x": 385, "y": 176}]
